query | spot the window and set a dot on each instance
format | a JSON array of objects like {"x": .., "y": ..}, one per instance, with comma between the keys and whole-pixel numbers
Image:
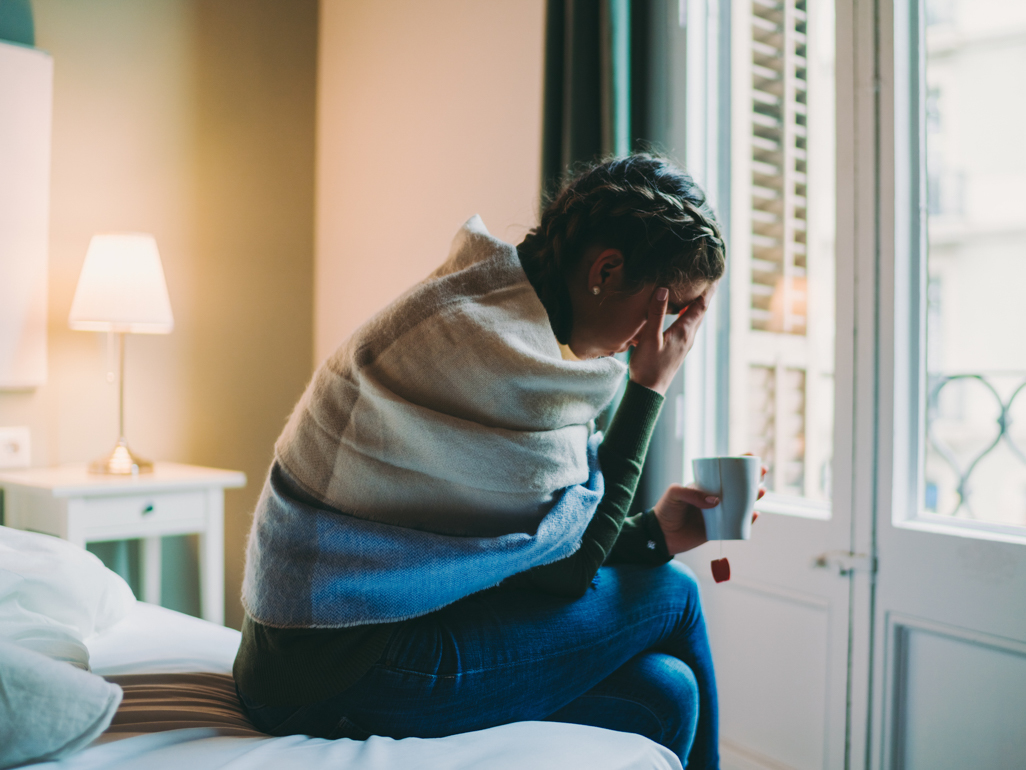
[
  {"x": 782, "y": 243},
  {"x": 974, "y": 119}
]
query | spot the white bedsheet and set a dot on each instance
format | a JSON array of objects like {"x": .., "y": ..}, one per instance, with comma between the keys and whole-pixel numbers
[
  {"x": 519, "y": 746},
  {"x": 157, "y": 640}
]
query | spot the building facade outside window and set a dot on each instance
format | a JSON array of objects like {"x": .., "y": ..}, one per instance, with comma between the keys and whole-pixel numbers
[{"x": 975, "y": 120}]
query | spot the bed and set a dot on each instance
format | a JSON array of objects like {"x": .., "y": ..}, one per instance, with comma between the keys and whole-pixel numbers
[{"x": 180, "y": 710}]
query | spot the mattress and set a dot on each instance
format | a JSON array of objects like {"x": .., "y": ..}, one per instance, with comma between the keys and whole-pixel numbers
[{"x": 180, "y": 712}]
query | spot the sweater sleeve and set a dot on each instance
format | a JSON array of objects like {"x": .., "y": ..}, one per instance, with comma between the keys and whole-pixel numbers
[
  {"x": 621, "y": 457},
  {"x": 641, "y": 541}
]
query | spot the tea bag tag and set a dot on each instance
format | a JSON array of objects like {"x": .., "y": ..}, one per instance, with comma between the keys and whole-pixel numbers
[{"x": 720, "y": 570}]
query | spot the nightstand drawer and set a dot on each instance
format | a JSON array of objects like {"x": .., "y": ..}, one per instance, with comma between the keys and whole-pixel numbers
[
  {"x": 82, "y": 507},
  {"x": 159, "y": 512}
]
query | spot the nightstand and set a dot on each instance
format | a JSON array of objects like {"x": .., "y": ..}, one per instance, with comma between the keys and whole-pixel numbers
[{"x": 174, "y": 499}]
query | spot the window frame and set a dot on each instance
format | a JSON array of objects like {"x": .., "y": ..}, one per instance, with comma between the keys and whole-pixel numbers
[
  {"x": 708, "y": 391},
  {"x": 909, "y": 283},
  {"x": 707, "y": 110}
]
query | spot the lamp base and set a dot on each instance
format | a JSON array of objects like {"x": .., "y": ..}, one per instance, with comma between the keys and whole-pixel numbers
[{"x": 121, "y": 462}]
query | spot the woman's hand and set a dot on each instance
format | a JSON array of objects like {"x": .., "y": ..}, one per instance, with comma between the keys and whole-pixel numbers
[
  {"x": 658, "y": 354},
  {"x": 680, "y": 516}
]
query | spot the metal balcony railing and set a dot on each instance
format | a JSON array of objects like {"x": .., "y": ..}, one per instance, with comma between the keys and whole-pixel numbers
[{"x": 1012, "y": 383}]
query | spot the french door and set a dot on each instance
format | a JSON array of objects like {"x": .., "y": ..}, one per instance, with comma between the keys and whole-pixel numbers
[
  {"x": 949, "y": 670},
  {"x": 771, "y": 136},
  {"x": 870, "y": 343}
]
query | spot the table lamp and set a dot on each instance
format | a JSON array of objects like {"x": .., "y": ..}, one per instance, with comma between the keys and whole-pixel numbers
[{"x": 122, "y": 289}]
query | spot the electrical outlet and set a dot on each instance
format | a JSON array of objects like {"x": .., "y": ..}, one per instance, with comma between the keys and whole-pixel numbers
[{"x": 15, "y": 447}]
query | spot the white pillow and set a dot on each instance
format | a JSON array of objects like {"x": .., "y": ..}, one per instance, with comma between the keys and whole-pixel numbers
[
  {"x": 49, "y": 709},
  {"x": 156, "y": 640},
  {"x": 54, "y": 594}
]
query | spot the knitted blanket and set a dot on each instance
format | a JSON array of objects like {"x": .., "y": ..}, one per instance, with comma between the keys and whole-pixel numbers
[{"x": 442, "y": 448}]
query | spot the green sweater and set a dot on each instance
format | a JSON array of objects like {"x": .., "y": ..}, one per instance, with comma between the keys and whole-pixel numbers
[{"x": 290, "y": 666}]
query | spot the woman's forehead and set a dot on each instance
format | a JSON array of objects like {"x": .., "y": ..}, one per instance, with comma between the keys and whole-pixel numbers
[{"x": 687, "y": 293}]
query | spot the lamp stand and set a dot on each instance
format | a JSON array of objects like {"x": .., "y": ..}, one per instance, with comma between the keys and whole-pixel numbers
[{"x": 121, "y": 461}]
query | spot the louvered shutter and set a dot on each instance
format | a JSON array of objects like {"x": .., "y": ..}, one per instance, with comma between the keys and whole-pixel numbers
[{"x": 782, "y": 344}]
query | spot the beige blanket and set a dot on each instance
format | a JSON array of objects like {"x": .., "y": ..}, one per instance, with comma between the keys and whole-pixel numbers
[{"x": 452, "y": 410}]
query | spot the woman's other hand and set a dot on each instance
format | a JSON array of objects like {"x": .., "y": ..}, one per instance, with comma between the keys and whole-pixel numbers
[
  {"x": 658, "y": 355},
  {"x": 763, "y": 470}
]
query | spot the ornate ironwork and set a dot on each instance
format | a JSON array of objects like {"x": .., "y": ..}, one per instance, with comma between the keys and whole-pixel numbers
[{"x": 964, "y": 472}]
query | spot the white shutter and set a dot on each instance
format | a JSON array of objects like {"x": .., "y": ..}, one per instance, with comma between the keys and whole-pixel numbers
[{"x": 781, "y": 341}]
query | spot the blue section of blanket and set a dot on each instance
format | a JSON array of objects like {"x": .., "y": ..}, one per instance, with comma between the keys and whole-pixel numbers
[{"x": 312, "y": 568}]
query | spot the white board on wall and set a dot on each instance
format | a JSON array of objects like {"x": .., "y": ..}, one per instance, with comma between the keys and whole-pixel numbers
[{"x": 26, "y": 107}]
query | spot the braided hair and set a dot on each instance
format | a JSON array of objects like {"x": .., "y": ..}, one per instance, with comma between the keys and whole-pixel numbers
[{"x": 642, "y": 205}]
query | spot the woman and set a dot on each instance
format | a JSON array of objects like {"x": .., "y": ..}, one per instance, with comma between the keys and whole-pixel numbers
[{"x": 442, "y": 544}]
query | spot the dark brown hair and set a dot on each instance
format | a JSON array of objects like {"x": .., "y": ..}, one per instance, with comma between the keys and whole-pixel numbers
[{"x": 643, "y": 205}]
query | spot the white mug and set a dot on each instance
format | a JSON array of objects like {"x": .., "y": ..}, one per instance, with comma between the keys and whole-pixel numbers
[{"x": 735, "y": 480}]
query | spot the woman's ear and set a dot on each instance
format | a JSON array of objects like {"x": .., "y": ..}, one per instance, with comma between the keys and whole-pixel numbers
[{"x": 606, "y": 272}]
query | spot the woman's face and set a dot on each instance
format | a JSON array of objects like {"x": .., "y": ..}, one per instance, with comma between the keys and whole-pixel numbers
[{"x": 611, "y": 321}]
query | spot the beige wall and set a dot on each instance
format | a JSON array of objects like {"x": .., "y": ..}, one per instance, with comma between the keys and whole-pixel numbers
[
  {"x": 427, "y": 114},
  {"x": 192, "y": 120}
]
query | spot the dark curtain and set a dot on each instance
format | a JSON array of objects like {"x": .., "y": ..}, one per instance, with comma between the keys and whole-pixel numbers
[
  {"x": 604, "y": 81},
  {"x": 606, "y": 93},
  {"x": 16, "y": 24}
]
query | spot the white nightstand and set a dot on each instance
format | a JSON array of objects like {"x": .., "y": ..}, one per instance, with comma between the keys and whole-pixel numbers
[{"x": 175, "y": 499}]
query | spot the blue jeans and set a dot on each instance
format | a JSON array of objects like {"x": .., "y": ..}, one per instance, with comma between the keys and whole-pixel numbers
[{"x": 630, "y": 655}]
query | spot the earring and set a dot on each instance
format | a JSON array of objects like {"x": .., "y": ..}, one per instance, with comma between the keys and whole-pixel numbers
[{"x": 595, "y": 290}]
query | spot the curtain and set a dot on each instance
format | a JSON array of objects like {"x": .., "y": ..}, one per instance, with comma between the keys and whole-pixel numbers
[
  {"x": 605, "y": 81},
  {"x": 16, "y": 24},
  {"x": 607, "y": 93}
]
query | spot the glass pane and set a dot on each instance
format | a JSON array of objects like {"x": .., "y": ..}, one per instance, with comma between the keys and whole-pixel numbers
[
  {"x": 975, "y": 113},
  {"x": 782, "y": 245}
]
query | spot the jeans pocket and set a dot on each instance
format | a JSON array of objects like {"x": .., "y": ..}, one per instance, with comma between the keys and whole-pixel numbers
[
  {"x": 318, "y": 720},
  {"x": 267, "y": 719},
  {"x": 271, "y": 719},
  {"x": 346, "y": 728}
]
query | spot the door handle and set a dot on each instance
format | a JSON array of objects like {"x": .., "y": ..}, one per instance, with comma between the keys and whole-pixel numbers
[{"x": 845, "y": 562}]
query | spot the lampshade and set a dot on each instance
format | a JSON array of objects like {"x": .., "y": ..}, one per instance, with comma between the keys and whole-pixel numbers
[{"x": 122, "y": 288}]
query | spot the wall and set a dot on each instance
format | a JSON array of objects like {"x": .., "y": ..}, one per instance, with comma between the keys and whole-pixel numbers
[
  {"x": 427, "y": 114},
  {"x": 192, "y": 120}
]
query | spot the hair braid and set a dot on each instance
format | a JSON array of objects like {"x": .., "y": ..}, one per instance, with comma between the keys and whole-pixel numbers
[{"x": 643, "y": 205}]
